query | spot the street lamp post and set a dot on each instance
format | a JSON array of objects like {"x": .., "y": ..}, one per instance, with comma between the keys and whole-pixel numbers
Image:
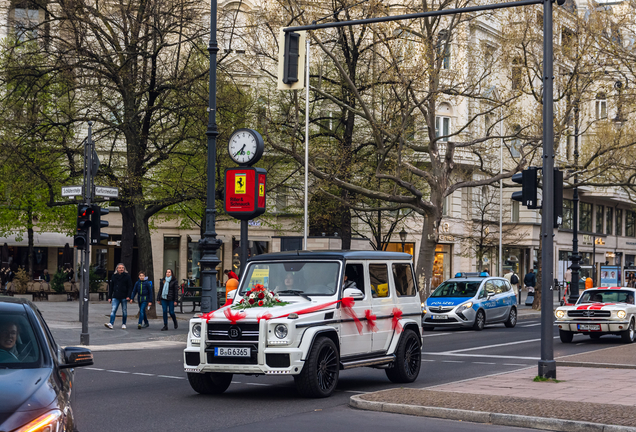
[
  {"x": 403, "y": 238},
  {"x": 576, "y": 258},
  {"x": 209, "y": 244}
]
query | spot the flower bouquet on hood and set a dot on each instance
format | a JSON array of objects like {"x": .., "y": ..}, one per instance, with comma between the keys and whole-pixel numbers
[{"x": 259, "y": 296}]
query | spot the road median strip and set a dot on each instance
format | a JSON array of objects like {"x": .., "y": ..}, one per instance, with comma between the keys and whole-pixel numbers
[{"x": 416, "y": 403}]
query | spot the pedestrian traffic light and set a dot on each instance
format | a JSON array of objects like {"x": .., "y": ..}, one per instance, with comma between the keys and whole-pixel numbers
[
  {"x": 558, "y": 197},
  {"x": 528, "y": 194},
  {"x": 83, "y": 224},
  {"x": 97, "y": 224},
  {"x": 291, "y": 54}
]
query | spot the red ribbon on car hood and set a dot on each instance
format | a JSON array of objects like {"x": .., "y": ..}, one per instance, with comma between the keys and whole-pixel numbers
[{"x": 234, "y": 317}]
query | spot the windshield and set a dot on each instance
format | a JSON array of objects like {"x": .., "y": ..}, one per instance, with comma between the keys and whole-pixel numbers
[
  {"x": 607, "y": 296},
  {"x": 309, "y": 278},
  {"x": 456, "y": 289},
  {"x": 19, "y": 348}
]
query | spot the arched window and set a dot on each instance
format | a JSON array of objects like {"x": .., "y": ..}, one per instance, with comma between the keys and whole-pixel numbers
[{"x": 443, "y": 121}]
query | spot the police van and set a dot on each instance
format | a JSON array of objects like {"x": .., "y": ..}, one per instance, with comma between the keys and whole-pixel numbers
[{"x": 471, "y": 300}]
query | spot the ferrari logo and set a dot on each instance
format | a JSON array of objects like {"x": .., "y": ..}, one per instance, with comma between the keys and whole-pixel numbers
[
  {"x": 240, "y": 186},
  {"x": 261, "y": 190}
]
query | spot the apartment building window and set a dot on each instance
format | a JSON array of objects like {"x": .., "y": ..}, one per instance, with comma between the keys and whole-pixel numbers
[
  {"x": 609, "y": 220},
  {"x": 444, "y": 48},
  {"x": 630, "y": 223},
  {"x": 568, "y": 214},
  {"x": 585, "y": 217},
  {"x": 26, "y": 18},
  {"x": 515, "y": 211},
  {"x": 619, "y": 222},
  {"x": 599, "y": 219},
  {"x": 517, "y": 74},
  {"x": 445, "y": 205},
  {"x": 442, "y": 127},
  {"x": 601, "y": 106}
]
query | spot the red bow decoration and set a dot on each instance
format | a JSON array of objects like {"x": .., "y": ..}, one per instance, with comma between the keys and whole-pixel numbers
[
  {"x": 207, "y": 316},
  {"x": 264, "y": 316},
  {"x": 347, "y": 304},
  {"x": 371, "y": 320},
  {"x": 397, "y": 315},
  {"x": 234, "y": 317}
]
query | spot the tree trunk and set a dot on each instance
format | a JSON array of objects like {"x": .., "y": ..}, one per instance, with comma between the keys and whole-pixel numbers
[
  {"x": 127, "y": 237},
  {"x": 424, "y": 270},
  {"x": 144, "y": 256},
  {"x": 30, "y": 252}
]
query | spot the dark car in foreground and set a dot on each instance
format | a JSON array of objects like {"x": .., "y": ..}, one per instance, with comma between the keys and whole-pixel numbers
[{"x": 36, "y": 375}]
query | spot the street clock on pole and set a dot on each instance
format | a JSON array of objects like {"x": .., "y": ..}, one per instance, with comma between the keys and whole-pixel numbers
[{"x": 246, "y": 147}]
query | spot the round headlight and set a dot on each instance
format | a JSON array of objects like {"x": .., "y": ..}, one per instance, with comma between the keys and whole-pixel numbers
[
  {"x": 560, "y": 313},
  {"x": 280, "y": 331},
  {"x": 196, "y": 330},
  {"x": 621, "y": 314}
]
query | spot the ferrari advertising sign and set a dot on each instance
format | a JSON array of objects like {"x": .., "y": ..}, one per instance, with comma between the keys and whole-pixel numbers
[{"x": 245, "y": 192}]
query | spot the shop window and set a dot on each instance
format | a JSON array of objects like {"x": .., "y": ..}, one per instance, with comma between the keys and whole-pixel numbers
[
  {"x": 609, "y": 220},
  {"x": 379, "y": 278},
  {"x": 600, "y": 210},
  {"x": 630, "y": 219},
  {"x": 585, "y": 217},
  {"x": 619, "y": 222},
  {"x": 253, "y": 248},
  {"x": 397, "y": 247},
  {"x": 568, "y": 214},
  {"x": 291, "y": 243},
  {"x": 441, "y": 265},
  {"x": 403, "y": 277},
  {"x": 630, "y": 260},
  {"x": 171, "y": 256}
]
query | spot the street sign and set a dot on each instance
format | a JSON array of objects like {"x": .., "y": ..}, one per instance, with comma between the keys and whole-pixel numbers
[
  {"x": 245, "y": 192},
  {"x": 71, "y": 191},
  {"x": 106, "y": 191}
]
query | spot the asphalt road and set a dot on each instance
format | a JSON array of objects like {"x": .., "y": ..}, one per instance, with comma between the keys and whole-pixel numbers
[{"x": 148, "y": 390}]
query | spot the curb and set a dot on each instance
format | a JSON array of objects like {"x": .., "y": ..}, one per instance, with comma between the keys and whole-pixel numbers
[
  {"x": 514, "y": 420},
  {"x": 595, "y": 365}
]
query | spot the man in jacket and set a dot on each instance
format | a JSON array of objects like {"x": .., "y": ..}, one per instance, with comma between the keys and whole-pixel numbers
[
  {"x": 119, "y": 290},
  {"x": 512, "y": 277},
  {"x": 144, "y": 289}
]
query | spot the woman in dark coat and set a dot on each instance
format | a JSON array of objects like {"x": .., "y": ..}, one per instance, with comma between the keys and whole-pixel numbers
[{"x": 168, "y": 295}]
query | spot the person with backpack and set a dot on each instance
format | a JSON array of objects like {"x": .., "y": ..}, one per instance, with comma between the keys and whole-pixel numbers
[
  {"x": 144, "y": 289},
  {"x": 514, "y": 281}
]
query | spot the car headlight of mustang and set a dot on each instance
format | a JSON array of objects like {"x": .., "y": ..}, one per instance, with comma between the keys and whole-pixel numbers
[
  {"x": 560, "y": 313},
  {"x": 621, "y": 314},
  {"x": 464, "y": 307}
]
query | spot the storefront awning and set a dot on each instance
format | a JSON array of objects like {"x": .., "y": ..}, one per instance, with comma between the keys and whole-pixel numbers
[{"x": 46, "y": 239}]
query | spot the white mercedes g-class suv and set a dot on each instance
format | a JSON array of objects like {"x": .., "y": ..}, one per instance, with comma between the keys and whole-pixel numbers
[{"x": 311, "y": 315}]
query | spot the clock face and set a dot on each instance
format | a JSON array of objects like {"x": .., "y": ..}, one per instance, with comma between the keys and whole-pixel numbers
[{"x": 244, "y": 147}]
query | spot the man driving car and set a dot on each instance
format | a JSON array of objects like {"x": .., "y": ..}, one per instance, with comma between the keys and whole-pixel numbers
[{"x": 8, "y": 338}]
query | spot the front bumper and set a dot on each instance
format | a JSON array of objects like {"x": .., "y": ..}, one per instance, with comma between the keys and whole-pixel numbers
[
  {"x": 607, "y": 326},
  {"x": 452, "y": 319},
  {"x": 260, "y": 367}
]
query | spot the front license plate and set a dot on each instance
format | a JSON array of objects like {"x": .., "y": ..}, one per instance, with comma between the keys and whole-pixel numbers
[
  {"x": 232, "y": 352},
  {"x": 439, "y": 317},
  {"x": 589, "y": 327}
]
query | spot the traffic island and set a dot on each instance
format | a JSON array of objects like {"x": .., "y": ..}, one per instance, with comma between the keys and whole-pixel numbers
[{"x": 515, "y": 399}]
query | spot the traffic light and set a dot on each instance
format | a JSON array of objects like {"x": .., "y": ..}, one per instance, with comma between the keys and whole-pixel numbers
[
  {"x": 529, "y": 185},
  {"x": 83, "y": 224},
  {"x": 558, "y": 198},
  {"x": 97, "y": 224},
  {"x": 291, "y": 54}
]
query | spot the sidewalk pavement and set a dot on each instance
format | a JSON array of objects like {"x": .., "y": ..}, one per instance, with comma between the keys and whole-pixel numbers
[
  {"x": 598, "y": 397},
  {"x": 63, "y": 320}
]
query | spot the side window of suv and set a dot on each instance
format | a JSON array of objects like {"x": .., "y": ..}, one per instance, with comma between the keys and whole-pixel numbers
[
  {"x": 379, "y": 279},
  {"x": 403, "y": 278},
  {"x": 355, "y": 277}
]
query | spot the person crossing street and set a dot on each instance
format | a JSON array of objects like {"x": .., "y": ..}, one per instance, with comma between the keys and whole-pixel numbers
[
  {"x": 119, "y": 290},
  {"x": 143, "y": 289},
  {"x": 168, "y": 296}
]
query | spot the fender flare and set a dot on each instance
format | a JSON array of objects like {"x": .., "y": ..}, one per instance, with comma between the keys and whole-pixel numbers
[
  {"x": 310, "y": 335},
  {"x": 406, "y": 324}
]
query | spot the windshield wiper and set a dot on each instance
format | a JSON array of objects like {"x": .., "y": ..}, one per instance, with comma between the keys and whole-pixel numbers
[{"x": 295, "y": 292}]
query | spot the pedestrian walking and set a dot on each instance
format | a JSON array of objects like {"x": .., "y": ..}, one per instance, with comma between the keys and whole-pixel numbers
[
  {"x": 119, "y": 290},
  {"x": 168, "y": 296},
  {"x": 530, "y": 281},
  {"x": 230, "y": 274},
  {"x": 514, "y": 282},
  {"x": 143, "y": 289}
]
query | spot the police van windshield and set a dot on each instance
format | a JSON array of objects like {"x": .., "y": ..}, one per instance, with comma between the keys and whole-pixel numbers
[
  {"x": 607, "y": 296},
  {"x": 309, "y": 278},
  {"x": 456, "y": 289}
]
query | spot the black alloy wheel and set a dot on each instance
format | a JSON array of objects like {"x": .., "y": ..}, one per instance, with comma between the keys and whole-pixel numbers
[
  {"x": 512, "y": 318},
  {"x": 408, "y": 359},
  {"x": 319, "y": 376}
]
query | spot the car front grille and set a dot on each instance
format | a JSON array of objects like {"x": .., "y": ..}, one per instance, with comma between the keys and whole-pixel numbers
[
  {"x": 589, "y": 314},
  {"x": 431, "y": 320},
  {"x": 441, "y": 308},
  {"x": 233, "y": 333}
]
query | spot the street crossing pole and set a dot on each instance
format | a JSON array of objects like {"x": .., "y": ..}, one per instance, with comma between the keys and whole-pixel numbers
[{"x": 88, "y": 197}]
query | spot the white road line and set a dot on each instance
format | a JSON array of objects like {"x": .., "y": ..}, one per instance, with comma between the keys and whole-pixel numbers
[
  {"x": 168, "y": 376},
  {"x": 580, "y": 343},
  {"x": 531, "y": 325},
  {"x": 90, "y": 368},
  {"x": 355, "y": 391},
  {"x": 492, "y": 346},
  {"x": 258, "y": 384},
  {"x": 452, "y": 361},
  {"x": 490, "y": 356},
  {"x": 142, "y": 374},
  {"x": 427, "y": 360},
  {"x": 515, "y": 364},
  {"x": 488, "y": 363},
  {"x": 438, "y": 334},
  {"x": 236, "y": 382},
  {"x": 115, "y": 371}
]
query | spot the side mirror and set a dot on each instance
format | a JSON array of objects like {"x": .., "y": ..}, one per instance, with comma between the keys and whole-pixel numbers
[
  {"x": 354, "y": 293},
  {"x": 490, "y": 294},
  {"x": 77, "y": 357}
]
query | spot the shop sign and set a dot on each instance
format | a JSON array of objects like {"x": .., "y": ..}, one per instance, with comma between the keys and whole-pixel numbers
[
  {"x": 587, "y": 239},
  {"x": 245, "y": 192},
  {"x": 631, "y": 243},
  {"x": 446, "y": 238}
]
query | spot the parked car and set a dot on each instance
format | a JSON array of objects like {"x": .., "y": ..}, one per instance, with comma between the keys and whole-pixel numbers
[
  {"x": 470, "y": 300},
  {"x": 598, "y": 312},
  {"x": 293, "y": 316},
  {"x": 36, "y": 375}
]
